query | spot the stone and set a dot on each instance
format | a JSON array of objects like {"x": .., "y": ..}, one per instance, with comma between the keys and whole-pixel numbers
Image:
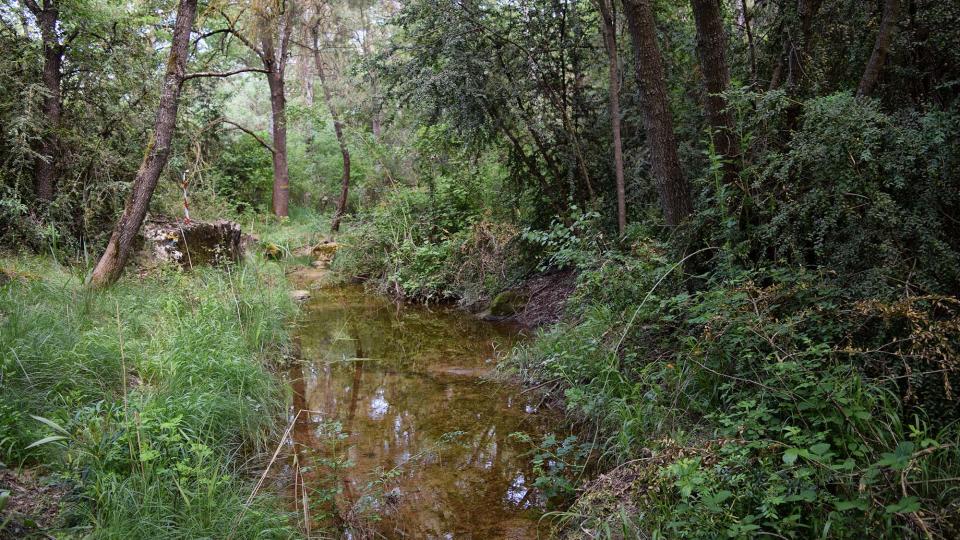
[
  {"x": 193, "y": 243},
  {"x": 272, "y": 252},
  {"x": 300, "y": 295},
  {"x": 507, "y": 303},
  {"x": 325, "y": 249}
]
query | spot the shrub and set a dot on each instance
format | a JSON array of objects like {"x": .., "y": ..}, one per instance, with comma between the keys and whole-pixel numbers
[
  {"x": 763, "y": 399},
  {"x": 867, "y": 194}
]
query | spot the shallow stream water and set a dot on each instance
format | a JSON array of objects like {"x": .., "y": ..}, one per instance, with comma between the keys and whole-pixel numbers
[{"x": 405, "y": 432}]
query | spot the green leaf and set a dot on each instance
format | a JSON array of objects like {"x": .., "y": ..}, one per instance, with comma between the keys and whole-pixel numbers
[
  {"x": 790, "y": 456},
  {"x": 45, "y": 440},
  {"x": 899, "y": 458},
  {"x": 820, "y": 449},
  {"x": 904, "y": 505},
  {"x": 51, "y": 423},
  {"x": 714, "y": 501}
]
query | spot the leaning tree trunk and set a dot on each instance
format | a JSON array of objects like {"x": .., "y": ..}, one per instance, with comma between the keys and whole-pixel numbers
[
  {"x": 338, "y": 130},
  {"x": 671, "y": 184},
  {"x": 885, "y": 35},
  {"x": 711, "y": 49},
  {"x": 608, "y": 27},
  {"x": 45, "y": 167},
  {"x": 278, "y": 107},
  {"x": 118, "y": 250}
]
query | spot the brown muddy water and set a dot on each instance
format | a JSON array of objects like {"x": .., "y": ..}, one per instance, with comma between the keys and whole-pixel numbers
[{"x": 406, "y": 436}]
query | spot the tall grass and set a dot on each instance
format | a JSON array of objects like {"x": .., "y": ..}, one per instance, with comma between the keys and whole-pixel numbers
[
  {"x": 158, "y": 393},
  {"x": 304, "y": 227}
]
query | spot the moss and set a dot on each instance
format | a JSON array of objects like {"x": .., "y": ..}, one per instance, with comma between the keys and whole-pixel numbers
[
  {"x": 507, "y": 303},
  {"x": 272, "y": 251}
]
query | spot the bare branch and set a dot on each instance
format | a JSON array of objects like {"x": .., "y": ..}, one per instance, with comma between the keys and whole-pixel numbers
[
  {"x": 243, "y": 39},
  {"x": 249, "y": 132},
  {"x": 221, "y": 74}
]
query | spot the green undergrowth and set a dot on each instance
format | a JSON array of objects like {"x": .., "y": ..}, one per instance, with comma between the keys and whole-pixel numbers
[
  {"x": 152, "y": 403},
  {"x": 304, "y": 226},
  {"x": 771, "y": 401},
  {"x": 424, "y": 246},
  {"x": 281, "y": 238},
  {"x": 449, "y": 235},
  {"x": 783, "y": 364}
]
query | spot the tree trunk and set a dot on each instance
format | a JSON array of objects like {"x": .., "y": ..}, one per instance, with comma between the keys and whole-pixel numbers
[
  {"x": 711, "y": 49},
  {"x": 794, "y": 51},
  {"x": 609, "y": 29},
  {"x": 278, "y": 108},
  {"x": 45, "y": 167},
  {"x": 751, "y": 46},
  {"x": 374, "y": 89},
  {"x": 671, "y": 184},
  {"x": 118, "y": 250},
  {"x": 885, "y": 35},
  {"x": 338, "y": 130}
]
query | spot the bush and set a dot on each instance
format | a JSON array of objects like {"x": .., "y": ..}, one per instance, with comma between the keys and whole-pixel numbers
[
  {"x": 428, "y": 243},
  {"x": 763, "y": 400},
  {"x": 867, "y": 194}
]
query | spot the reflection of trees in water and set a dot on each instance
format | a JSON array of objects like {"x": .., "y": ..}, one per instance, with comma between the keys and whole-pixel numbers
[
  {"x": 370, "y": 373},
  {"x": 408, "y": 338}
]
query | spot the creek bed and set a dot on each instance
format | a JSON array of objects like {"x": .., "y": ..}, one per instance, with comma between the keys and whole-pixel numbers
[{"x": 406, "y": 434}]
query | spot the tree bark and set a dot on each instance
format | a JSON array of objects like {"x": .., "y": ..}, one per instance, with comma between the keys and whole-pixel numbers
[
  {"x": 338, "y": 130},
  {"x": 114, "y": 258},
  {"x": 751, "y": 46},
  {"x": 609, "y": 29},
  {"x": 274, "y": 61},
  {"x": 711, "y": 49},
  {"x": 885, "y": 35},
  {"x": 281, "y": 174},
  {"x": 45, "y": 167},
  {"x": 672, "y": 185}
]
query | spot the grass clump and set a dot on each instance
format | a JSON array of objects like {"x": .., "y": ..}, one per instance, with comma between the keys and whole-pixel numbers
[{"x": 153, "y": 399}]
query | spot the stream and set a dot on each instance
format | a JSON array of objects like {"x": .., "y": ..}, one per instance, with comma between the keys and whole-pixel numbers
[{"x": 402, "y": 434}]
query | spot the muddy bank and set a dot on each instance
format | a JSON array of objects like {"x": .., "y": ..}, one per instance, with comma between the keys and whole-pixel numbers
[{"x": 537, "y": 301}]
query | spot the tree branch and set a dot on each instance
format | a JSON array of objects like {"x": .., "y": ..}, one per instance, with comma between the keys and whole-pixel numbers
[
  {"x": 69, "y": 39},
  {"x": 32, "y": 6},
  {"x": 200, "y": 74},
  {"x": 243, "y": 39},
  {"x": 262, "y": 142},
  {"x": 211, "y": 34}
]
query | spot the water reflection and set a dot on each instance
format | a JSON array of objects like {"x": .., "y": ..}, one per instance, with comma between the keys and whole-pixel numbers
[{"x": 428, "y": 440}]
